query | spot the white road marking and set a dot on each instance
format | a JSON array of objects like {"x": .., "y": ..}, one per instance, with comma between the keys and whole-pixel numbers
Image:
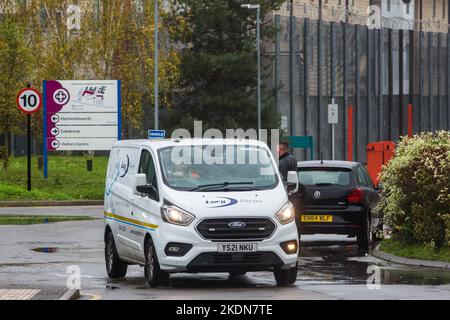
[{"x": 18, "y": 294}]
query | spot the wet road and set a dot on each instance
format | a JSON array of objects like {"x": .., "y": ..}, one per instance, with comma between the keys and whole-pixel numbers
[{"x": 329, "y": 269}]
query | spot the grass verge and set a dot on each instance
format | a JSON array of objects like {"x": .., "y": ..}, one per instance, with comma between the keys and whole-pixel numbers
[
  {"x": 24, "y": 219},
  {"x": 415, "y": 251},
  {"x": 68, "y": 179}
]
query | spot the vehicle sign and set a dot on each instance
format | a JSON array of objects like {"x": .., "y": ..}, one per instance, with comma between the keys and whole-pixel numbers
[
  {"x": 317, "y": 218},
  {"x": 237, "y": 247}
]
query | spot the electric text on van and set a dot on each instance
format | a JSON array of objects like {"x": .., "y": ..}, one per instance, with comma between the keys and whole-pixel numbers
[{"x": 197, "y": 206}]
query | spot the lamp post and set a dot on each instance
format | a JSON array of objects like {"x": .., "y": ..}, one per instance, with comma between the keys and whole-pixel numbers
[
  {"x": 156, "y": 56},
  {"x": 258, "y": 45}
]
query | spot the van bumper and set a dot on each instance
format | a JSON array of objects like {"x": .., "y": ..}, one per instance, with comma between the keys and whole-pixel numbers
[
  {"x": 226, "y": 262},
  {"x": 204, "y": 256}
]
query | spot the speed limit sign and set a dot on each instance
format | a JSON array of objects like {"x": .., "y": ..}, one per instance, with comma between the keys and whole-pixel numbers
[{"x": 29, "y": 100}]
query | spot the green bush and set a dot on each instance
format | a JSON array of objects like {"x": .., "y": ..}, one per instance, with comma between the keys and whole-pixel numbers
[{"x": 416, "y": 196}]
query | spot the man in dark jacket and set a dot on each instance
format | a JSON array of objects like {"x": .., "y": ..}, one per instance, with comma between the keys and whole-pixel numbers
[{"x": 287, "y": 161}]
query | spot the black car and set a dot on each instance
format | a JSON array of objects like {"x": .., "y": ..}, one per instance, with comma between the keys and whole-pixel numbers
[{"x": 335, "y": 197}]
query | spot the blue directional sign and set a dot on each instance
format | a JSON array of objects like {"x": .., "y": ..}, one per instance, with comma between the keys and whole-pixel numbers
[{"x": 156, "y": 134}]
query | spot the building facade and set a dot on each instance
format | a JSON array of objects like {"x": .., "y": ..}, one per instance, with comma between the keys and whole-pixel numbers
[
  {"x": 326, "y": 50},
  {"x": 427, "y": 15}
]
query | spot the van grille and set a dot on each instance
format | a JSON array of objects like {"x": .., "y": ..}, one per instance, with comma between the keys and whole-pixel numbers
[{"x": 255, "y": 229}]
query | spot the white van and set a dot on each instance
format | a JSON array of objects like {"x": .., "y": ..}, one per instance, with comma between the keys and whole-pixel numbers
[{"x": 196, "y": 205}]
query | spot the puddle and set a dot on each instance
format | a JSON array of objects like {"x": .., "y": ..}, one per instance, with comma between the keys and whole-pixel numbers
[
  {"x": 46, "y": 249},
  {"x": 341, "y": 265}
]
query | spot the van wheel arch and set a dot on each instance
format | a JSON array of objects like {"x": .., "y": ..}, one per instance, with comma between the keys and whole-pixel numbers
[
  {"x": 156, "y": 276},
  {"x": 107, "y": 231},
  {"x": 147, "y": 238},
  {"x": 115, "y": 267}
]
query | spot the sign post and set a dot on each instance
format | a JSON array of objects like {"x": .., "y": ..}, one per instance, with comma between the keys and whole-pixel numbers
[
  {"x": 81, "y": 115},
  {"x": 333, "y": 111},
  {"x": 29, "y": 101}
]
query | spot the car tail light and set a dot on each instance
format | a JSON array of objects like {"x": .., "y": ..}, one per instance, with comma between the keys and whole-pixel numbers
[{"x": 355, "y": 197}]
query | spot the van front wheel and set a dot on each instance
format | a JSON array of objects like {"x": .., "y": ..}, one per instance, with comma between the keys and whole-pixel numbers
[
  {"x": 286, "y": 277},
  {"x": 115, "y": 267},
  {"x": 153, "y": 274}
]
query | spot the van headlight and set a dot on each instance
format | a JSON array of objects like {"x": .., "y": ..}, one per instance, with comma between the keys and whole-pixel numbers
[
  {"x": 286, "y": 214},
  {"x": 173, "y": 214}
]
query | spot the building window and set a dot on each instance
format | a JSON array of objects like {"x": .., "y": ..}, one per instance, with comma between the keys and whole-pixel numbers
[
  {"x": 434, "y": 8},
  {"x": 388, "y": 5},
  {"x": 407, "y": 8},
  {"x": 443, "y": 8}
]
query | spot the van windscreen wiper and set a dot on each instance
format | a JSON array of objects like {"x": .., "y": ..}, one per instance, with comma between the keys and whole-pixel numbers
[{"x": 222, "y": 185}]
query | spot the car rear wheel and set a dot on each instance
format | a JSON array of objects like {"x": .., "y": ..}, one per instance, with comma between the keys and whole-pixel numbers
[
  {"x": 115, "y": 267},
  {"x": 153, "y": 273},
  {"x": 364, "y": 237},
  {"x": 286, "y": 277}
]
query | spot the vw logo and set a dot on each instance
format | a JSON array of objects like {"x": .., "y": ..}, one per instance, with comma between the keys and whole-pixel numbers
[
  {"x": 317, "y": 195},
  {"x": 237, "y": 225}
]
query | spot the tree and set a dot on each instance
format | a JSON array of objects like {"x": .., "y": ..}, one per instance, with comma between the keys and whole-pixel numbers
[
  {"x": 122, "y": 47},
  {"x": 218, "y": 66},
  {"x": 14, "y": 54},
  {"x": 114, "y": 41}
]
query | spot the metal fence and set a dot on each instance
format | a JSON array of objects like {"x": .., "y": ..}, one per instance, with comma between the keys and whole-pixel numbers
[{"x": 377, "y": 71}]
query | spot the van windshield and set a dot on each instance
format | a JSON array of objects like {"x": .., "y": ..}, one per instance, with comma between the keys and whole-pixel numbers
[{"x": 218, "y": 168}]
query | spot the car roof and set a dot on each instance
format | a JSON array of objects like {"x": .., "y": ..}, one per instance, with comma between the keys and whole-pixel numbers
[
  {"x": 327, "y": 164},
  {"x": 163, "y": 143}
]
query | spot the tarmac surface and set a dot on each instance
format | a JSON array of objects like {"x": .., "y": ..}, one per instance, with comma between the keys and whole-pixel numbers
[{"x": 42, "y": 257}]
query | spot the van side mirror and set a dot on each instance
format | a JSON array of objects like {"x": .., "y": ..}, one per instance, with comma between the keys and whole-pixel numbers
[
  {"x": 141, "y": 187},
  {"x": 145, "y": 189},
  {"x": 292, "y": 182},
  {"x": 148, "y": 190},
  {"x": 139, "y": 181}
]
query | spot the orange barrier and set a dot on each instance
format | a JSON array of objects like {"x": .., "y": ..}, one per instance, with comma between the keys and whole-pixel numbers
[{"x": 378, "y": 154}]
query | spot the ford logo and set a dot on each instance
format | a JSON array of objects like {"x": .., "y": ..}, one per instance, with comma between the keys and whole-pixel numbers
[{"x": 237, "y": 225}]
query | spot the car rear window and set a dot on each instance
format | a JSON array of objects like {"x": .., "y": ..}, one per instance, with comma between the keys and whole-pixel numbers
[{"x": 325, "y": 176}]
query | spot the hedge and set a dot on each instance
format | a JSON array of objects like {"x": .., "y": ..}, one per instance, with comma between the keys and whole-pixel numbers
[{"x": 416, "y": 195}]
